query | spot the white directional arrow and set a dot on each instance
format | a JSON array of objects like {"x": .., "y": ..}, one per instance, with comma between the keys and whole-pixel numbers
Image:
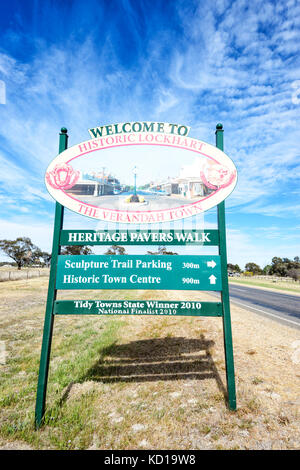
[
  {"x": 212, "y": 279},
  {"x": 211, "y": 264}
]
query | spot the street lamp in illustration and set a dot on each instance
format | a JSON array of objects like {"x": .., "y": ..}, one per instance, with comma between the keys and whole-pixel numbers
[
  {"x": 134, "y": 197},
  {"x": 134, "y": 172}
]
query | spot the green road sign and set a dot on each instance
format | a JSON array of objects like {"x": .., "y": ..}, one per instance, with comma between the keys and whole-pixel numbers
[
  {"x": 139, "y": 237},
  {"x": 139, "y": 307},
  {"x": 139, "y": 272}
]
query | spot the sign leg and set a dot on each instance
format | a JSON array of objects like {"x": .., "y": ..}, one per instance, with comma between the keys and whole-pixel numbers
[
  {"x": 49, "y": 320},
  {"x": 49, "y": 317},
  {"x": 44, "y": 366},
  {"x": 229, "y": 356},
  {"x": 227, "y": 333}
]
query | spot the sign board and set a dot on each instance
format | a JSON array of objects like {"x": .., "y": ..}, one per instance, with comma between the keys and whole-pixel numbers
[
  {"x": 137, "y": 173},
  {"x": 144, "y": 307},
  {"x": 166, "y": 272},
  {"x": 175, "y": 176},
  {"x": 140, "y": 237}
]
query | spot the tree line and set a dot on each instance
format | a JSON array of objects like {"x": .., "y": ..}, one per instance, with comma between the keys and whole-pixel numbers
[
  {"x": 282, "y": 267},
  {"x": 25, "y": 253}
]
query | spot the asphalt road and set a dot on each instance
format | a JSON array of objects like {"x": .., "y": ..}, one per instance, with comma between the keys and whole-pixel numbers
[{"x": 284, "y": 308}]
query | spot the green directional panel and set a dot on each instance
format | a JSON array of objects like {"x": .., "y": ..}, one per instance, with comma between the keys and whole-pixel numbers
[
  {"x": 139, "y": 272},
  {"x": 138, "y": 307},
  {"x": 140, "y": 237}
]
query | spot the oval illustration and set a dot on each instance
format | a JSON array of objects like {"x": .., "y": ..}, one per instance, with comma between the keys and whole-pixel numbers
[{"x": 141, "y": 177}]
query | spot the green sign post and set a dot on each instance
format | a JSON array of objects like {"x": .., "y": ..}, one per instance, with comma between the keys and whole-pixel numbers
[{"x": 188, "y": 272}]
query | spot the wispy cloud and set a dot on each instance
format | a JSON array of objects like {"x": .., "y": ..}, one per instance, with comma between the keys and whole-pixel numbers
[{"x": 192, "y": 62}]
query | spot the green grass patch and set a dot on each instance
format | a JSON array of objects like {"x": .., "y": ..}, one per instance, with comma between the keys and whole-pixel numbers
[{"x": 67, "y": 422}]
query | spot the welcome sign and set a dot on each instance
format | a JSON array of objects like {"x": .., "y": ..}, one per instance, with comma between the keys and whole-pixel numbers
[
  {"x": 139, "y": 173},
  {"x": 174, "y": 176}
]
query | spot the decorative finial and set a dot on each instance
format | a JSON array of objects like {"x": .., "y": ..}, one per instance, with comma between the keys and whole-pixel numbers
[
  {"x": 64, "y": 130},
  {"x": 219, "y": 126}
]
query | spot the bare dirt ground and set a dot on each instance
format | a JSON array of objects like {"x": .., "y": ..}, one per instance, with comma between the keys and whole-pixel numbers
[{"x": 159, "y": 383}]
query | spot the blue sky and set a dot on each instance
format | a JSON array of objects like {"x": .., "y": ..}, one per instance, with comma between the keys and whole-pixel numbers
[{"x": 80, "y": 64}]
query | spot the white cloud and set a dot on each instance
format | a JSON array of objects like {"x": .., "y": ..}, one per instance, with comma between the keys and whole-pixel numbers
[
  {"x": 40, "y": 233},
  {"x": 259, "y": 246}
]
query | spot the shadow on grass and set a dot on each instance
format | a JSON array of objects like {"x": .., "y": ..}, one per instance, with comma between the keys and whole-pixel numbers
[{"x": 158, "y": 359}]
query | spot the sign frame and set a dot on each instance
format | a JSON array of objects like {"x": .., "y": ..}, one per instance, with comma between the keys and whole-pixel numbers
[{"x": 60, "y": 307}]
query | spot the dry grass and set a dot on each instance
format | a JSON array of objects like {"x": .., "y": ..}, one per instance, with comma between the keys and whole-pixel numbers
[{"x": 146, "y": 382}]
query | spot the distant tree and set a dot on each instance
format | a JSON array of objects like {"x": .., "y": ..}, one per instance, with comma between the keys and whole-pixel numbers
[
  {"x": 76, "y": 250},
  {"x": 161, "y": 251},
  {"x": 233, "y": 268},
  {"x": 276, "y": 260},
  {"x": 288, "y": 263},
  {"x": 278, "y": 267},
  {"x": 294, "y": 274},
  {"x": 116, "y": 250},
  {"x": 46, "y": 258},
  {"x": 21, "y": 250},
  {"x": 266, "y": 269},
  {"x": 253, "y": 267}
]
